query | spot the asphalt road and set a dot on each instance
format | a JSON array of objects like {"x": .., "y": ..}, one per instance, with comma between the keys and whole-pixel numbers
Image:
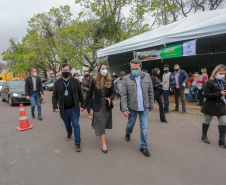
[{"x": 43, "y": 156}]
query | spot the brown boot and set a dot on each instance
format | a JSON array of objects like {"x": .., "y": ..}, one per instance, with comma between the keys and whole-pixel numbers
[{"x": 90, "y": 116}]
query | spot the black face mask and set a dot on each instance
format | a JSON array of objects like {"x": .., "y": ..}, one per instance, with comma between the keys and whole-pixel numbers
[
  {"x": 87, "y": 75},
  {"x": 157, "y": 75},
  {"x": 66, "y": 74},
  {"x": 176, "y": 70},
  {"x": 200, "y": 73},
  {"x": 166, "y": 71}
]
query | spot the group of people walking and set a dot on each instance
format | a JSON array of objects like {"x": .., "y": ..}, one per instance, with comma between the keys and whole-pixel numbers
[
  {"x": 138, "y": 91},
  {"x": 136, "y": 94}
]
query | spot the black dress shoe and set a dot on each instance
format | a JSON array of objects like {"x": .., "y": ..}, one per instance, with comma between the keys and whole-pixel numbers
[
  {"x": 40, "y": 118},
  {"x": 104, "y": 151},
  {"x": 69, "y": 137},
  {"x": 78, "y": 147},
  {"x": 33, "y": 115},
  {"x": 175, "y": 110},
  {"x": 166, "y": 111},
  {"x": 145, "y": 152},
  {"x": 165, "y": 121},
  {"x": 183, "y": 112},
  {"x": 127, "y": 138}
]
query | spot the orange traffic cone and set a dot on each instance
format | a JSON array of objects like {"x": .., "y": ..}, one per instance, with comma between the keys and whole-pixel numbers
[{"x": 23, "y": 123}]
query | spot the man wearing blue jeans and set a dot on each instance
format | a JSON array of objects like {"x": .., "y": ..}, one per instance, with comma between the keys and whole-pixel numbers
[
  {"x": 191, "y": 90},
  {"x": 34, "y": 92},
  {"x": 67, "y": 94},
  {"x": 137, "y": 98},
  {"x": 71, "y": 119}
]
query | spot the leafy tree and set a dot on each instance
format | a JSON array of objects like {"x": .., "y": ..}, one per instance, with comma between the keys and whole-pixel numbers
[
  {"x": 39, "y": 46},
  {"x": 14, "y": 56},
  {"x": 79, "y": 44},
  {"x": 43, "y": 37},
  {"x": 164, "y": 11},
  {"x": 167, "y": 11},
  {"x": 111, "y": 21},
  {"x": 2, "y": 66},
  {"x": 189, "y": 6}
]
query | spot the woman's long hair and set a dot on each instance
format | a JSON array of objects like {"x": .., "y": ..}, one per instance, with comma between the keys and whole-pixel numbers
[
  {"x": 154, "y": 73},
  {"x": 218, "y": 68},
  {"x": 107, "y": 79}
]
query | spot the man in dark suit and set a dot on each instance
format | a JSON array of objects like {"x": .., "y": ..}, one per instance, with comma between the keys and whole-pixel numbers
[
  {"x": 34, "y": 92},
  {"x": 178, "y": 82}
]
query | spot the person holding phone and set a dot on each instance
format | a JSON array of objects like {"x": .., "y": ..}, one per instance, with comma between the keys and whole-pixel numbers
[
  {"x": 166, "y": 87},
  {"x": 157, "y": 86},
  {"x": 214, "y": 92}
]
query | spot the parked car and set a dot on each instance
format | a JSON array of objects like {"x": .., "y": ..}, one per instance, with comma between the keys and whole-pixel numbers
[
  {"x": 14, "y": 92},
  {"x": 1, "y": 84},
  {"x": 48, "y": 82},
  {"x": 44, "y": 80},
  {"x": 50, "y": 87}
]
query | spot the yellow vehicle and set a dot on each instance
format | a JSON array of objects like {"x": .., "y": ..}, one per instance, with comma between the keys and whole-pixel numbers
[{"x": 10, "y": 76}]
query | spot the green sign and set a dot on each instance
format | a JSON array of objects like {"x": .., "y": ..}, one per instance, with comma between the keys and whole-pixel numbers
[{"x": 171, "y": 51}]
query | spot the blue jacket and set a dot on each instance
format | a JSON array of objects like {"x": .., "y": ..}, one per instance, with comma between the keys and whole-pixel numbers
[{"x": 183, "y": 78}]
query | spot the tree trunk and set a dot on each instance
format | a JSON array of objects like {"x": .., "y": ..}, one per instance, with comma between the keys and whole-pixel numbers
[{"x": 45, "y": 74}]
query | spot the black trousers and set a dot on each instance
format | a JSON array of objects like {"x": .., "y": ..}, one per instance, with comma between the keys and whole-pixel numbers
[
  {"x": 89, "y": 106},
  {"x": 158, "y": 98},
  {"x": 200, "y": 96}
]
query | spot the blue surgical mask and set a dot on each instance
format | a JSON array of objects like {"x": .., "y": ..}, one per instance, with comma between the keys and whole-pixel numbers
[{"x": 135, "y": 72}]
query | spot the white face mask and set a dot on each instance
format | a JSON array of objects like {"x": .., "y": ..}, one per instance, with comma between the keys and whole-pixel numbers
[
  {"x": 104, "y": 72},
  {"x": 34, "y": 74},
  {"x": 220, "y": 77},
  {"x": 76, "y": 77}
]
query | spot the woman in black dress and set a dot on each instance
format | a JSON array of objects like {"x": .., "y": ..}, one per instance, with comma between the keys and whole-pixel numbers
[
  {"x": 157, "y": 86},
  {"x": 103, "y": 90},
  {"x": 214, "y": 92}
]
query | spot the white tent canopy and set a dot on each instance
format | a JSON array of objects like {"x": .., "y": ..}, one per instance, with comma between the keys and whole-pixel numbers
[{"x": 197, "y": 25}]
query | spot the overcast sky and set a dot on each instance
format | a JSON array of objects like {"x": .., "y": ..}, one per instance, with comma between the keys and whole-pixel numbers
[{"x": 15, "y": 14}]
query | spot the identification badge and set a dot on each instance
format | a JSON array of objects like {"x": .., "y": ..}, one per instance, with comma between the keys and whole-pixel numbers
[{"x": 66, "y": 93}]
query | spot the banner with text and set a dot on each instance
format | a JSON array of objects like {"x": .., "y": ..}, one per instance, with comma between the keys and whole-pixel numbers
[
  {"x": 171, "y": 51},
  {"x": 147, "y": 55},
  {"x": 189, "y": 48},
  {"x": 177, "y": 50}
]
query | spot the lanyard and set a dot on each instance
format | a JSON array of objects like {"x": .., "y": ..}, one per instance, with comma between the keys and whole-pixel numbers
[
  {"x": 159, "y": 80},
  {"x": 67, "y": 84},
  {"x": 221, "y": 84}
]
